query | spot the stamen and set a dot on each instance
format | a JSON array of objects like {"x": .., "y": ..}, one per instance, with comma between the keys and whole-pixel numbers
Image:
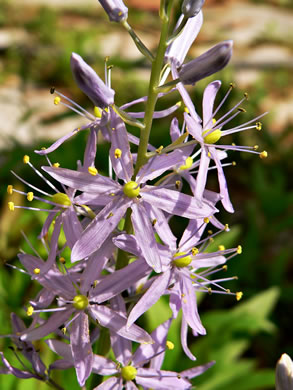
[{"x": 92, "y": 171}]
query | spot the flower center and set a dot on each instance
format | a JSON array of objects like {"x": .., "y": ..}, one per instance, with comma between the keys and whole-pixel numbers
[
  {"x": 182, "y": 261},
  {"x": 188, "y": 164},
  {"x": 61, "y": 199},
  {"x": 131, "y": 189},
  {"x": 128, "y": 373},
  {"x": 80, "y": 302},
  {"x": 212, "y": 137}
]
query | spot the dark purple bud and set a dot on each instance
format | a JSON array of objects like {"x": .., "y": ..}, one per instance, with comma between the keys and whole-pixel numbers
[
  {"x": 90, "y": 83},
  {"x": 116, "y": 9},
  {"x": 208, "y": 63},
  {"x": 191, "y": 8}
]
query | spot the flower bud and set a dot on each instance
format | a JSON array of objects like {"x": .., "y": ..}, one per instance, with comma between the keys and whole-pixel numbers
[
  {"x": 191, "y": 8},
  {"x": 115, "y": 9},
  {"x": 208, "y": 63},
  {"x": 177, "y": 50},
  {"x": 284, "y": 373},
  {"x": 90, "y": 83}
]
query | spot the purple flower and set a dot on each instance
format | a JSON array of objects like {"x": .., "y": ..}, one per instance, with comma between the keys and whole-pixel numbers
[
  {"x": 134, "y": 193},
  {"x": 180, "y": 276},
  {"x": 190, "y": 8}
]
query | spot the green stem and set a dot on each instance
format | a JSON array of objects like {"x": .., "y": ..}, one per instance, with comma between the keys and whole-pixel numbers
[{"x": 152, "y": 94}]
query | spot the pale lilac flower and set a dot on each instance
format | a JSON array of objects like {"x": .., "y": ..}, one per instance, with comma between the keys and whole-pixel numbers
[
  {"x": 180, "y": 277},
  {"x": 73, "y": 302},
  {"x": 116, "y": 9},
  {"x": 208, "y": 132}
]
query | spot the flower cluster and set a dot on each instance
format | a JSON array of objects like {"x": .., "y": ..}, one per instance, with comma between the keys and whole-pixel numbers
[{"x": 124, "y": 254}]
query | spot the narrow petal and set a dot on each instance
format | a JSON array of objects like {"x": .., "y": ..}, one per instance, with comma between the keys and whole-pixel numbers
[
  {"x": 202, "y": 174},
  {"x": 194, "y": 127},
  {"x": 120, "y": 280},
  {"x": 128, "y": 243},
  {"x": 49, "y": 326},
  {"x": 46, "y": 226},
  {"x": 81, "y": 348},
  {"x": 189, "y": 306},
  {"x": 60, "y": 348},
  {"x": 109, "y": 384},
  {"x": 145, "y": 236},
  {"x": 208, "y": 261},
  {"x": 90, "y": 150},
  {"x": 208, "y": 101},
  {"x": 196, "y": 371},
  {"x": 177, "y": 203},
  {"x": 123, "y": 166},
  {"x": 115, "y": 322},
  {"x": 72, "y": 226},
  {"x": 160, "y": 379},
  {"x": 222, "y": 182},
  {"x": 174, "y": 130},
  {"x": 192, "y": 234},
  {"x": 149, "y": 298},
  {"x": 183, "y": 335},
  {"x": 122, "y": 347},
  {"x": 51, "y": 261},
  {"x": 83, "y": 181},
  {"x": 99, "y": 229},
  {"x": 159, "y": 164}
]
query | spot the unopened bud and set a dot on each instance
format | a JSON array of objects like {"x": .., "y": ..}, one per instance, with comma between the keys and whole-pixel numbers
[
  {"x": 208, "y": 63},
  {"x": 284, "y": 373},
  {"x": 116, "y": 9},
  {"x": 191, "y": 8},
  {"x": 90, "y": 83}
]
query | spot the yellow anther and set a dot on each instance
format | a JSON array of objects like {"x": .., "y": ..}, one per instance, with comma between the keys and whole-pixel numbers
[
  {"x": 221, "y": 247},
  {"x": 179, "y": 104},
  {"x": 241, "y": 109},
  {"x": 139, "y": 288},
  {"x": 187, "y": 165},
  {"x": 233, "y": 144},
  {"x": 214, "y": 120},
  {"x": 37, "y": 271},
  {"x": 117, "y": 153},
  {"x": 170, "y": 345},
  {"x": 234, "y": 163},
  {"x": 211, "y": 239},
  {"x": 186, "y": 110},
  {"x": 209, "y": 291},
  {"x": 235, "y": 277},
  {"x": 206, "y": 220},
  {"x": 110, "y": 215},
  {"x": 177, "y": 184},
  {"x": 258, "y": 126},
  {"x": 11, "y": 206},
  {"x": 154, "y": 221},
  {"x": 226, "y": 228},
  {"x": 89, "y": 211},
  {"x": 211, "y": 137},
  {"x": 209, "y": 154},
  {"x": 225, "y": 267},
  {"x": 232, "y": 85},
  {"x": 246, "y": 95},
  {"x": 263, "y": 154},
  {"x": 97, "y": 112},
  {"x": 107, "y": 109},
  {"x": 62, "y": 260},
  {"x": 239, "y": 249},
  {"x": 160, "y": 148},
  {"x": 131, "y": 189},
  {"x": 30, "y": 196},
  {"x": 179, "y": 376},
  {"x": 43, "y": 148},
  {"x": 92, "y": 171},
  {"x": 228, "y": 291},
  {"x": 61, "y": 199},
  {"x": 10, "y": 189},
  {"x": 183, "y": 261},
  {"x": 95, "y": 283},
  {"x": 210, "y": 232},
  {"x": 128, "y": 373},
  {"x": 239, "y": 295},
  {"x": 56, "y": 165},
  {"x": 57, "y": 100},
  {"x": 26, "y": 159},
  {"x": 30, "y": 311},
  {"x": 255, "y": 147},
  {"x": 63, "y": 330},
  {"x": 194, "y": 251}
]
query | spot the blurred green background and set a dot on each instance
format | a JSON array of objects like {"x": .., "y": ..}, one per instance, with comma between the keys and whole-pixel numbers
[{"x": 36, "y": 40}]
